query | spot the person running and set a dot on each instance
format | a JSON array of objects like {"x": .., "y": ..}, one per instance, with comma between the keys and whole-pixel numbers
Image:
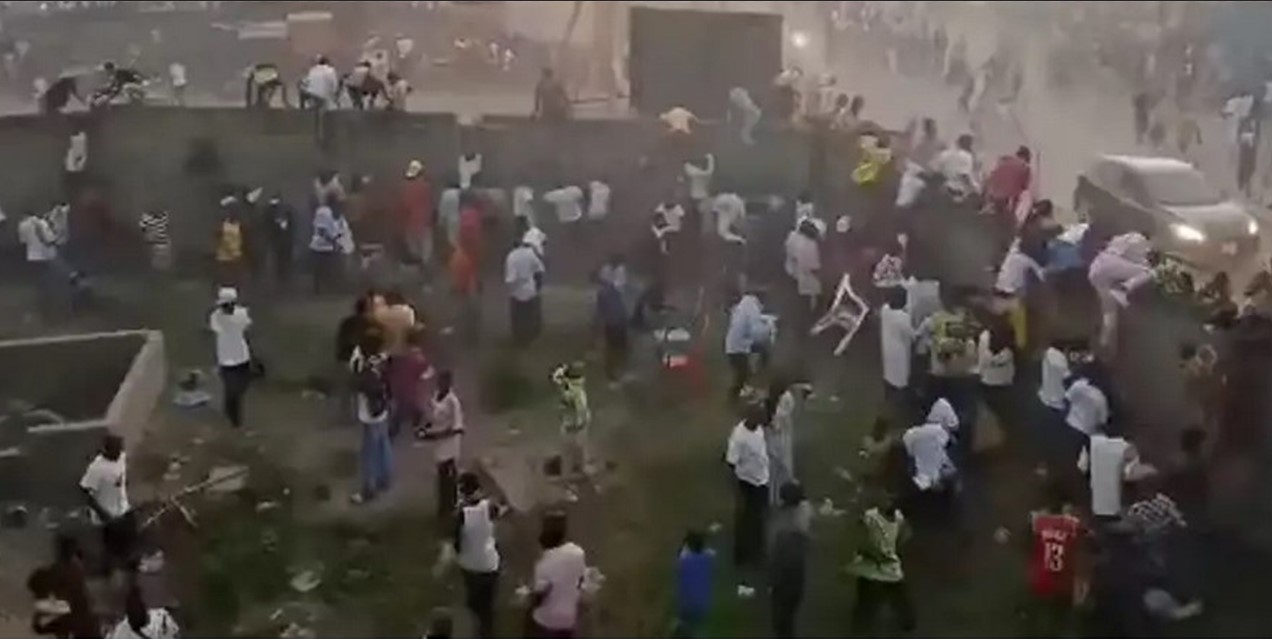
[
  {"x": 558, "y": 582},
  {"x": 1056, "y": 534},
  {"x": 229, "y": 322},
  {"x": 694, "y": 569},
  {"x": 446, "y": 429},
  {"x": 63, "y": 607},
  {"x": 476, "y": 551},
  {"x": 880, "y": 576}
]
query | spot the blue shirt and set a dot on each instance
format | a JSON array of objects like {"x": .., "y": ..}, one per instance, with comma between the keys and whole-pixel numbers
[
  {"x": 747, "y": 327},
  {"x": 326, "y": 235},
  {"x": 610, "y": 309},
  {"x": 693, "y": 582}
]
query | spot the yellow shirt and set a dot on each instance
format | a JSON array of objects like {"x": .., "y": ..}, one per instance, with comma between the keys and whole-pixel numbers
[{"x": 229, "y": 247}]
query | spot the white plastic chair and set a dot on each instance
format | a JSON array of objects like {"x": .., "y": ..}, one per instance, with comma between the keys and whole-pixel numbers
[{"x": 848, "y": 311}]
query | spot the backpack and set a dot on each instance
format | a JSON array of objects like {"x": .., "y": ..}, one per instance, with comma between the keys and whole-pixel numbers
[{"x": 369, "y": 382}]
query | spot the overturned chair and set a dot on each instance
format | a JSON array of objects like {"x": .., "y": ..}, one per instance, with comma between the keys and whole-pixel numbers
[{"x": 848, "y": 311}]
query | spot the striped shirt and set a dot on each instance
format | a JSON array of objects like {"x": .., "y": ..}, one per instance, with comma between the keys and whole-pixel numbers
[{"x": 154, "y": 228}]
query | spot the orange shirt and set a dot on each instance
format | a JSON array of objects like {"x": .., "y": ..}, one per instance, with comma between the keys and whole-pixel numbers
[{"x": 463, "y": 272}]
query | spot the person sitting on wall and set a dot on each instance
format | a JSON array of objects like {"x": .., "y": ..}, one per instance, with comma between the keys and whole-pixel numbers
[
  {"x": 363, "y": 86},
  {"x": 551, "y": 103},
  {"x": 263, "y": 82}
]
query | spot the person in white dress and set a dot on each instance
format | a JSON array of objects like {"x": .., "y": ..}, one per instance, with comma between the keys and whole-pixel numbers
[{"x": 779, "y": 436}]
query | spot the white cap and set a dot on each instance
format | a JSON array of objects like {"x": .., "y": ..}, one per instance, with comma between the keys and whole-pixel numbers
[{"x": 226, "y": 295}]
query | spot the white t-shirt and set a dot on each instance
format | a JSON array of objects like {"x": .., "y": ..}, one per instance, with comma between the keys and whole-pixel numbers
[
  {"x": 996, "y": 369},
  {"x": 448, "y": 415},
  {"x": 559, "y": 573},
  {"x": 896, "y": 335},
  {"x": 674, "y": 214},
  {"x": 700, "y": 178},
  {"x": 161, "y": 625},
  {"x": 37, "y": 236},
  {"x": 523, "y": 203},
  {"x": 1014, "y": 272},
  {"x": 959, "y": 168},
  {"x": 747, "y": 453},
  {"x": 1055, "y": 369},
  {"x": 568, "y": 201},
  {"x": 803, "y": 261},
  {"x": 729, "y": 209},
  {"x": 598, "y": 200},
  {"x": 76, "y": 153},
  {"x": 1106, "y": 460},
  {"x": 477, "y": 549},
  {"x": 107, "y": 481},
  {"x": 469, "y": 166},
  {"x": 322, "y": 82},
  {"x": 231, "y": 336},
  {"x": 1088, "y": 407},
  {"x": 926, "y": 446},
  {"x": 520, "y": 269},
  {"x": 177, "y": 73},
  {"x": 678, "y": 119}
]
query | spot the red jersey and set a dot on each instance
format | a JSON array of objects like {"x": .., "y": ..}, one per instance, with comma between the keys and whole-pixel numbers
[{"x": 1051, "y": 566}]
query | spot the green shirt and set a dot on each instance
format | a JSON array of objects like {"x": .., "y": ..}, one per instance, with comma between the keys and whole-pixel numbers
[{"x": 878, "y": 559}]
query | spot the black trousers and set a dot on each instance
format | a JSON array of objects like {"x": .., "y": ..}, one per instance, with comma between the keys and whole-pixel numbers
[
  {"x": 741, "y": 365},
  {"x": 873, "y": 595},
  {"x": 479, "y": 598},
  {"x": 615, "y": 351},
  {"x": 526, "y": 318},
  {"x": 752, "y": 507},
  {"x": 234, "y": 381},
  {"x": 447, "y": 490},
  {"x": 786, "y": 602}
]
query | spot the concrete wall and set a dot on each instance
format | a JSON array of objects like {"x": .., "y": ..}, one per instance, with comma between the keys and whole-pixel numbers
[
  {"x": 99, "y": 383},
  {"x": 142, "y": 157}
]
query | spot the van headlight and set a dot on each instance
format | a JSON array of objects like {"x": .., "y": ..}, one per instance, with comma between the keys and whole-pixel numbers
[
  {"x": 1252, "y": 227},
  {"x": 1187, "y": 233}
]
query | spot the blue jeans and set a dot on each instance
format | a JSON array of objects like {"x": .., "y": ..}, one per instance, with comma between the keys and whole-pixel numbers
[{"x": 377, "y": 458}]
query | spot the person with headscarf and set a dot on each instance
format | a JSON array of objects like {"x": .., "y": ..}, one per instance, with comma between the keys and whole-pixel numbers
[
  {"x": 927, "y": 446},
  {"x": 1116, "y": 271},
  {"x": 803, "y": 262},
  {"x": 744, "y": 111},
  {"x": 785, "y": 403},
  {"x": 749, "y": 331}
]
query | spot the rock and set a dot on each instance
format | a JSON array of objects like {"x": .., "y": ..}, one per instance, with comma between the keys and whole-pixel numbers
[
  {"x": 306, "y": 581},
  {"x": 296, "y": 631},
  {"x": 828, "y": 509},
  {"x": 227, "y": 479},
  {"x": 14, "y": 517},
  {"x": 152, "y": 563}
]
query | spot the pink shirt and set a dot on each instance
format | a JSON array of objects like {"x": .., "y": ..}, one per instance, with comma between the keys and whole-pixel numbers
[{"x": 407, "y": 381}]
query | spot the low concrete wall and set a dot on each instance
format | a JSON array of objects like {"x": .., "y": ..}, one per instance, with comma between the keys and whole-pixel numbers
[
  {"x": 182, "y": 158},
  {"x": 104, "y": 382}
]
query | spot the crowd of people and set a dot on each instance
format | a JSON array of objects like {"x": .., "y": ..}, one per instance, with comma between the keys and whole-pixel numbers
[{"x": 1113, "y": 534}]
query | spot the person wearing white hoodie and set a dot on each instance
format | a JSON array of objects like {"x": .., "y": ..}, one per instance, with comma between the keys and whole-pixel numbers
[
  {"x": 927, "y": 445},
  {"x": 1117, "y": 271}
]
